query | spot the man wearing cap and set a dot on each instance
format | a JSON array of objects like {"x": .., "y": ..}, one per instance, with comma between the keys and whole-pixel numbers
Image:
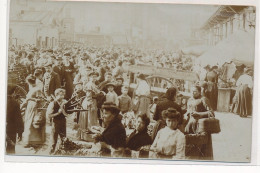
[
  {"x": 119, "y": 84},
  {"x": 51, "y": 81},
  {"x": 114, "y": 133},
  {"x": 108, "y": 79}
]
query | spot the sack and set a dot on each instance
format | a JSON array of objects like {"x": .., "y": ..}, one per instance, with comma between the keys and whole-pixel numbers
[{"x": 209, "y": 125}]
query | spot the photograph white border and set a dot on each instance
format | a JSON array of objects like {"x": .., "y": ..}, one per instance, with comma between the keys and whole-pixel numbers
[{"x": 255, "y": 126}]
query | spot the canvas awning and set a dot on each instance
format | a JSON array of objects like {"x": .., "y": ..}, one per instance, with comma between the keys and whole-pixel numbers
[
  {"x": 195, "y": 50},
  {"x": 238, "y": 47}
]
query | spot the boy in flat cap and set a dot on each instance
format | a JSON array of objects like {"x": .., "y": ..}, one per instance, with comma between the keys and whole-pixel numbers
[{"x": 56, "y": 113}]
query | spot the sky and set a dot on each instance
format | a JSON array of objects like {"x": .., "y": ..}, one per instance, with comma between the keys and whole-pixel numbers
[
  {"x": 111, "y": 16},
  {"x": 155, "y": 20}
]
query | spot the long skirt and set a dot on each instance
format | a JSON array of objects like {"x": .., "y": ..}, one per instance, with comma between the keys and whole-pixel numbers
[
  {"x": 212, "y": 94},
  {"x": 144, "y": 106},
  {"x": 31, "y": 134},
  {"x": 88, "y": 118},
  {"x": 243, "y": 101}
]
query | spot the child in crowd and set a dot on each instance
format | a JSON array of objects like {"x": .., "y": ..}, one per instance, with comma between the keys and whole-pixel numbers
[
  {"x": 153, "y": 107},
  {"x": 135, "y": 104},
  {"x": 111, "y": 95},
  {"x": 57, "y": 115},
  {"x": 77, "y": 99},
  {"x": 125, "y": 104}
]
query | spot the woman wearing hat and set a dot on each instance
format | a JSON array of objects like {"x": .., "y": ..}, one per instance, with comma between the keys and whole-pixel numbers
[
  {"x": 31, "y": 103},
  {"x": 111, "y": 95},
  {"x": 143, "y": 91},
  {"x": 88, "y": 118},
  {"x": 243, "y": 97},
  {"x": 114, "y": 134},
  {"x": 169, "y": 142}
]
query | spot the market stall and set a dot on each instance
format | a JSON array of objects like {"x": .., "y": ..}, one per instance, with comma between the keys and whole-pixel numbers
[{"x": 242, "y": 42}]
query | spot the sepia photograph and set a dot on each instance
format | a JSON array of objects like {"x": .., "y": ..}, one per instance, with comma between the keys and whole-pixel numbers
[{"x": 148, "y": 81}]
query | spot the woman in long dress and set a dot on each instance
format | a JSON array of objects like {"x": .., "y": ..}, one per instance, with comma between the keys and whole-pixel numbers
[
  {"x": 143, "y": 92},
  {"x": 31, "y": 133},
  {"x": 243, "y": 96},
  {"x": 211, "y": 91},
  {"x": 88, "y": 118}
]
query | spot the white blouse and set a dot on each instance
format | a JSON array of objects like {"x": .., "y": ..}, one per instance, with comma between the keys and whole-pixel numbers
[
  {"x": 245, "y": 79},
  {"x": 170, "y": 142},
  {"x": 142, "y": 89}
]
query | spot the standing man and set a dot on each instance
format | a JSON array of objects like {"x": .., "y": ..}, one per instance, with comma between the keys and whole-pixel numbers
[
  {"x": 59, "y": 69},
  {"x": 51, "y": 81},
  {"x": 14, "y": 122}
]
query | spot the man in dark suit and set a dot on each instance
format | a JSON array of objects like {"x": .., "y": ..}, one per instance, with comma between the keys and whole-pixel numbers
[
  {"x": 59, "y": 69},
  {"x": 14, "y": 121},
  {"x": 51, "y": 81}
]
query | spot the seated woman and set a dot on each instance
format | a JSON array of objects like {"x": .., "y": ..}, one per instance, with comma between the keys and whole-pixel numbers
[
  {"x": 139, "y": 137},
  {"x": 114, "y": 134},
  {"x": 169, "y": 142},
  {"x": 198, "y": 108}
]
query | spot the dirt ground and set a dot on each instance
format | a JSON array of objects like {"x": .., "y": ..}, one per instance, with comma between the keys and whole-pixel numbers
[{"x": 232, "y": 144}]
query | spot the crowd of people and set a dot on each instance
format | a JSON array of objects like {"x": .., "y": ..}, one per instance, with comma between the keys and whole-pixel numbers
[{"x": 91, "y": 84}]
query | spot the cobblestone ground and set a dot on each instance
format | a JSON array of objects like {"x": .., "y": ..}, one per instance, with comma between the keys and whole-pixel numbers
[{"x": 232, "y": 144}]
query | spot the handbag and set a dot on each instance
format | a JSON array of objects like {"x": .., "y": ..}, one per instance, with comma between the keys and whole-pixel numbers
[{"x": 210, "y": 125}]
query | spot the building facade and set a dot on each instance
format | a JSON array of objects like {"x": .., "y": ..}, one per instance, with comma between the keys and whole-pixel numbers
[{"x": 227, "y": 20}]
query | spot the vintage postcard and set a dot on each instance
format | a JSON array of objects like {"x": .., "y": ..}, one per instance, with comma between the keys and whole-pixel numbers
[{"x": 147, "y": 81}]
